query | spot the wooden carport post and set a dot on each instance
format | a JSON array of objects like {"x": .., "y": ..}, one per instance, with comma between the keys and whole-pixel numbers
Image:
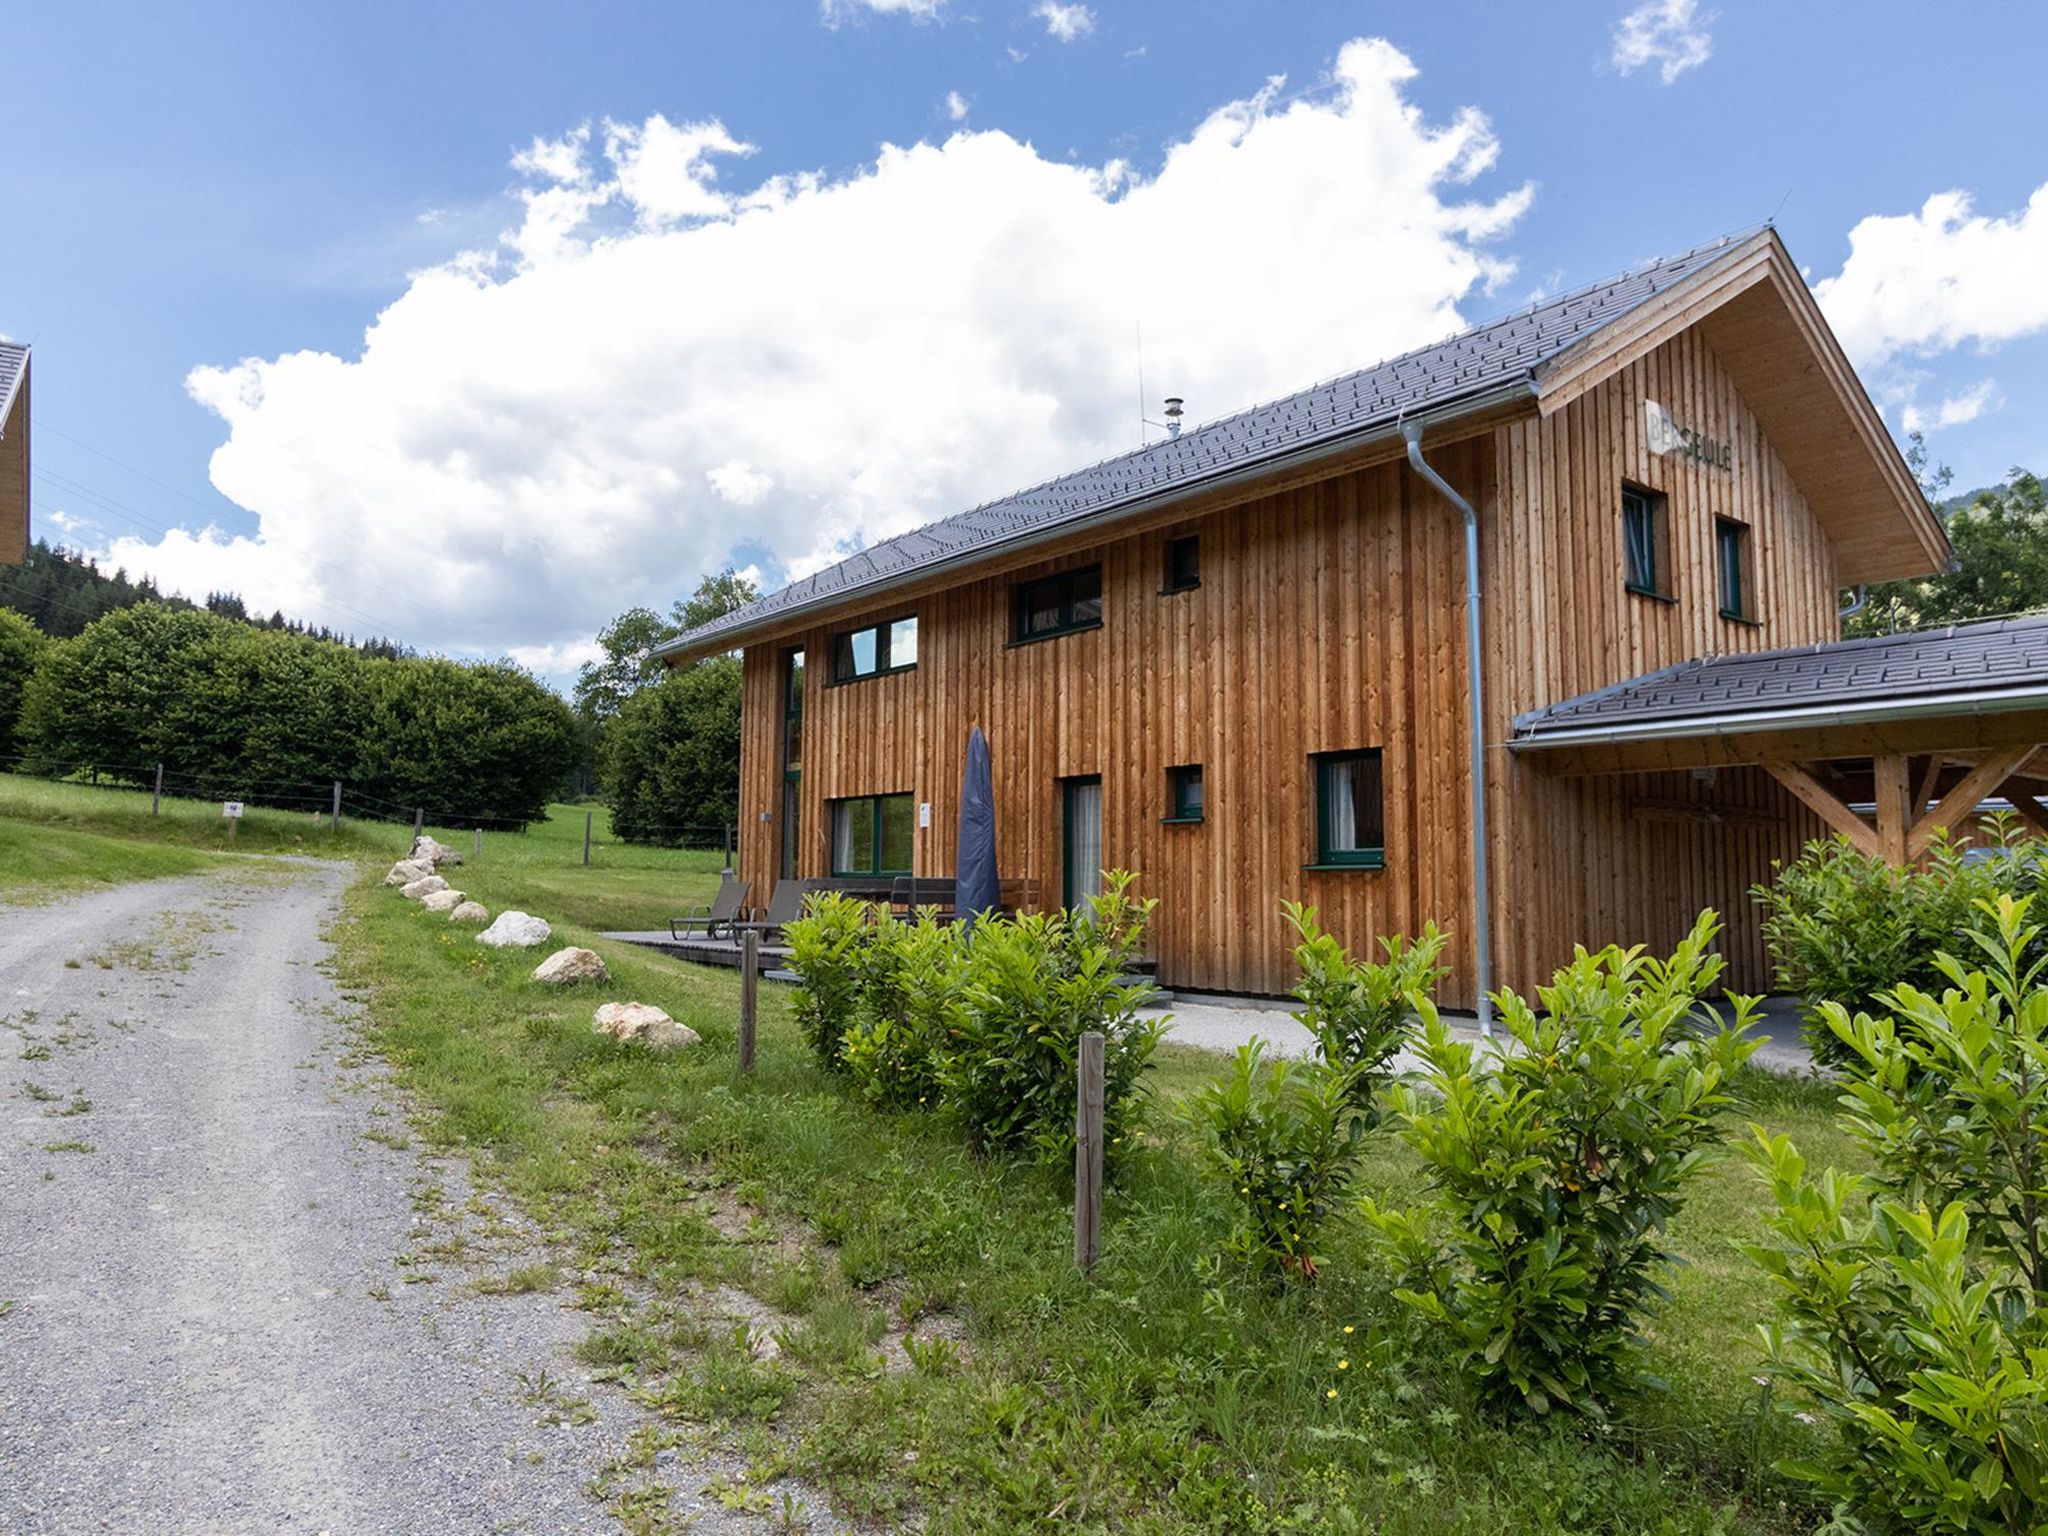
[{"x": 1891, "y": 779}]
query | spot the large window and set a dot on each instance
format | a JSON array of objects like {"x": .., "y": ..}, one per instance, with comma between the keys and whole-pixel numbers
[
  {"x": 879, "y": 648},
  {"x": 1732, "y": 567},
  {"x": 1059, "y": 605},
  {"x": 872, "y": 834},
  {"x": 1349, "y": 821},
  {"x": 1644, "y": 541},
  {"x": 792, "y": 759}
]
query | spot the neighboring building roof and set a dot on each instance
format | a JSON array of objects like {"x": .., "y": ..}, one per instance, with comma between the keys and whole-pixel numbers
[
  {"x": 1474, "y": 366},
  {"x": 1968, "y": 668},
  {"x": 13, "y": 369}
]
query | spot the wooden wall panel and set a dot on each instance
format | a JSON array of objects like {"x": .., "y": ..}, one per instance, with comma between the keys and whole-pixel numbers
[
  {"x": 1331, "y": 616},
  {"x": 1634, "y": 857},
  {"x": 14, "y": 470}
]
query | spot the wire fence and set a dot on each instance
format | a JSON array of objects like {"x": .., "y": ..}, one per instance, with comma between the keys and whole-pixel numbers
[{"x": 335, "y": 803}]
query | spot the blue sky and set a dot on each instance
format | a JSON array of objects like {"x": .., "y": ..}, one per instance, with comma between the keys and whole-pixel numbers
[{"x": 665, "y": 367}]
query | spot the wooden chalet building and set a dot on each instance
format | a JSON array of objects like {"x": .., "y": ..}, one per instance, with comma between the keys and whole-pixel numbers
[
  {"x": 1237, "y": 661},
  {"x": 13, "y": 453}
]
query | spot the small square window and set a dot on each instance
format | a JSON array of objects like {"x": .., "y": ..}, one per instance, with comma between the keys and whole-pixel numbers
[
  {"x": 1184, "y": 793},
  {"x": 873, "y": 834},
  {"x": 1349, "y": 816},
  {"x": 1183, "y": 564},
  {"x": 1644, "y": 541},
  {"x": 1732, "y": 570}
]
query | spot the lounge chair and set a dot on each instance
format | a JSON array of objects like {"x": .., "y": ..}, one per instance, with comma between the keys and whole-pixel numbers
[
  {"x": 725, "y": 909},
  {"x": 785, "y": 906}
]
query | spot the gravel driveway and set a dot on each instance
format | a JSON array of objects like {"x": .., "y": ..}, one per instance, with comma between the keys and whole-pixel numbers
[{"x": 219, "y": 1310}]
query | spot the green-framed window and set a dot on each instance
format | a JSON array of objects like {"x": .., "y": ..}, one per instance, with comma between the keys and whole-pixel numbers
[
  {"x": 1183, "y": 564},
  {"x": 1057, "y": 605},
  {"x": 872, "y": 834},
  {"x": 1645, "y": 541},
  {"x": 1350, "y": 810},
  {"x": 875, "y": 649},
  {"x": 1732, "y": 569},
  {"x": 1183, "y": 794}
]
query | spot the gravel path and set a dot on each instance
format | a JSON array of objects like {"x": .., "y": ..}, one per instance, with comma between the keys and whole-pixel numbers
[{"x": 219, "y": 1311}]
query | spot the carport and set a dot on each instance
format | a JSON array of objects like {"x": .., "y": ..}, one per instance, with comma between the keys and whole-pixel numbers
[{"x": 1889, "y": 740}]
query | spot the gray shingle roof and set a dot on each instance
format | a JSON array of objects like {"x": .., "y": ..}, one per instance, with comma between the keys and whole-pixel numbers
[
  {"x": 2003, "y": 656},
  {"x": 13, "y": 364},
  {"x": 1476, "y": 363}
]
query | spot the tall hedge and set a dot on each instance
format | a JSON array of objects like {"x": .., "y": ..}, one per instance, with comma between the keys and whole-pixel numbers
[
  {"x": 670, "y": 761},
  {"x": 21, "y": 647},
  {"x": 272, "y": 718}
]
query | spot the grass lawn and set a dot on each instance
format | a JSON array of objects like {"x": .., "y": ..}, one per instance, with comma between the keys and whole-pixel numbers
[
  {"x": 37, "y": 862},
  {"x": 1169, "y": 1393},
  {"x": 940, "y": 1357}
]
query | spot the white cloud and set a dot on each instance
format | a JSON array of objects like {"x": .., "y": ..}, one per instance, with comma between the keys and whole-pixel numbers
[
  {"x": 659, "y": 373},
  {"x": 1065, "y": 22},
  {"x": 1671, "y": 34},
  {"x": 956, "y": 106},
  {"x": 1953, "y": 410},
  {"x": 739, "y": 482},
  {"x": 1921, "y": 283},
  {"x": 833, "y": 12}
]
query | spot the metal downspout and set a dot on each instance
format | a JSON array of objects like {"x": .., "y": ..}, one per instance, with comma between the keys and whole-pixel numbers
[{"x": 1482, "y": 916}]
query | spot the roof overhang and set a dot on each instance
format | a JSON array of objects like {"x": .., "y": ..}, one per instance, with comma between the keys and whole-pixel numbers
[
  {"x": 1757, "y": 314},
  {"x": 1957, "y": 720},
  {"x": 1240, "y": 480}
]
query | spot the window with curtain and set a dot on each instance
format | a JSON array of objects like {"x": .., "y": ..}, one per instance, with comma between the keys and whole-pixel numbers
[
  {"x": 1083, "y": 837},
  {"x": 873, "y": 835},
  {"x": 1058, "y": 605},
  {"x": 1349, "y": 810}
]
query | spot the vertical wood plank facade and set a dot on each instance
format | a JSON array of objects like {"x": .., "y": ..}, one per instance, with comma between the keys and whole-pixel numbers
[{"x": 1331, "y": 617}]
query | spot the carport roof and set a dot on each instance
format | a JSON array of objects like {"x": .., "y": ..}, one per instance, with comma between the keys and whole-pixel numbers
[{"x": 1965, "y": 669}]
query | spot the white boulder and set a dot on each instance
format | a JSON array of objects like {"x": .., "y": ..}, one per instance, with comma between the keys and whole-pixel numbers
[
  {"x": 516, "y": 930},
  {"x": 423, "y": 887},
  {"x": 426, "y": 850},
  {"x": 443, "y": 901},
  {"x": 642, "y": 1022},
  {"x": 470, "y": 912},
  {"x": 570, "y": 967},
  {"x": 405, "y": 871}
]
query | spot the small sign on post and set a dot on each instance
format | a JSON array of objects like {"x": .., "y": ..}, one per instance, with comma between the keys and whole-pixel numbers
[
  {"x": 750, "y": 994},
  {"x": 1088, "y": 1154},
  {"x": 231, "y": 812}
]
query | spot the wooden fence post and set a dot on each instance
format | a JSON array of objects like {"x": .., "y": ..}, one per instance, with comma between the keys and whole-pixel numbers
[
  {"x": 1088, "y": 1154},
  {"x": 477, "y": 857},
  {"x": 750, "y": 994},
  {"x": 156, "y": 797},
  {"x": 587, "y": 815},
  {"x": 336, "y": 816},
  {"x": 419, "y": 819}
]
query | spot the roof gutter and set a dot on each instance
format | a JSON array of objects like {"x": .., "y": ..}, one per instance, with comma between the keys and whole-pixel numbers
[
  {"x": 1977, "y": 704},
  {"x": 1313, "y": 451}
]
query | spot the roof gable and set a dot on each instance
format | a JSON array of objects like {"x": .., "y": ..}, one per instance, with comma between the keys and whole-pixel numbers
[
  {"x": 13, "y": 373},
  {"x": 1756, "y": 313}
]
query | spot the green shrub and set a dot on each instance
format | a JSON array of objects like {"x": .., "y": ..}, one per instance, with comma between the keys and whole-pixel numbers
[
  {"x": 1034, "y": 985},
  {"x": 1286, "y": 1138},
  {"x": 826, "y": 948},
  {"x": 1920, "y": 1334},
  {"x": 1844, "y": 927},
  {"x": 1916, "y": 1345},
  {"x": 912, "y": 980},
  {"x": 1558, "y": 1164},
  {"x": 1361, "y": 1012}
]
